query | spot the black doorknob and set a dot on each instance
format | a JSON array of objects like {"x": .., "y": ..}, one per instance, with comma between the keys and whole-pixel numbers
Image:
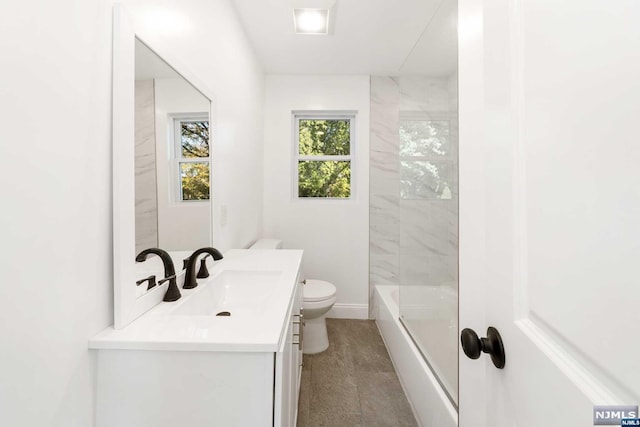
[{"x": 492, "y": 344}]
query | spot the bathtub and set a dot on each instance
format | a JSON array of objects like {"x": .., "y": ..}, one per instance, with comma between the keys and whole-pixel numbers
[
  {"x": 430, "y": 314},
  {"x": 429, "y": 401}
]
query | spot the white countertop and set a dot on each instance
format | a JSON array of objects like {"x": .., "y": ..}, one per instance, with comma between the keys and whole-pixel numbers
[{"x": 257, "y": 331}]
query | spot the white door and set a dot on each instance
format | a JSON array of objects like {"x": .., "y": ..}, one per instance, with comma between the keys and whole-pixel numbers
[{"x": 550, "y": 208}]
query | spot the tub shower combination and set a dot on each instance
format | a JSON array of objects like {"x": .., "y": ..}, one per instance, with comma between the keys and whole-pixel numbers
[{"x": 414, "y": 237}]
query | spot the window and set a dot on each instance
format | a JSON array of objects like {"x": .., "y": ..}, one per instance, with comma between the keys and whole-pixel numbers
[
  {"x": 192, "y": 157},
  {"x": 324, "y": 147}
]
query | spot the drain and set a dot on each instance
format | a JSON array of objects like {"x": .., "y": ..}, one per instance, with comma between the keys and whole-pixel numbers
[{"x": 224, "y": 313}]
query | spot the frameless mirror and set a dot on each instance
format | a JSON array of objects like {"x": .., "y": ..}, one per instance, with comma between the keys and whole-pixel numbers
[{"x": 172, "y": 158}]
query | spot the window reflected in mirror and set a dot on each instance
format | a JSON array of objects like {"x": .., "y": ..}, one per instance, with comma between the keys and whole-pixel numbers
[
  {"x": 191, "y": 135},
  {"x": 172, "y": 158}
]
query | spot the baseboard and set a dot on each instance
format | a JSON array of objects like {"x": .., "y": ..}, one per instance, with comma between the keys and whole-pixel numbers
[{"x": 349, "y": 311}]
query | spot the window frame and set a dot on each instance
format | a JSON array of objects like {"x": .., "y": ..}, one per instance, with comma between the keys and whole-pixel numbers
[
  {"x": 323, "y": 115},
  {"x": 175, "y": 148}
]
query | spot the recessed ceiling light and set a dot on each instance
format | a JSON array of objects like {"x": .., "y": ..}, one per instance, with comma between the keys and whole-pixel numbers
[{"x": 311, "y": 21}]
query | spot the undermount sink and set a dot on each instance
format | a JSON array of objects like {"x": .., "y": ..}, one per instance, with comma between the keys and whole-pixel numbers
[{"x": 231, "y": 293}]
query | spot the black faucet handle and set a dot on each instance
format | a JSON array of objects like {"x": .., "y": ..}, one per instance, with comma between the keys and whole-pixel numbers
[
  {"x": 166, "y": 279},
  {"x": 203, "y": 272},
  {"x": 141, "y": 281},
  {"x": 151, "y": 279}
]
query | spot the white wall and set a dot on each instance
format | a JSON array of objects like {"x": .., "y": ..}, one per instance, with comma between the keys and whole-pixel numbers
[
  {"x": 334, "y": 234},
  {"x": 55, "y": 170},
  {"x": 181, "y": 226}
]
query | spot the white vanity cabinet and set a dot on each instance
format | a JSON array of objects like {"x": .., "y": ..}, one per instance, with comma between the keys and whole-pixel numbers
[
  {"x": 168, "y": 369},
  {"x": 288, "y": 366}
]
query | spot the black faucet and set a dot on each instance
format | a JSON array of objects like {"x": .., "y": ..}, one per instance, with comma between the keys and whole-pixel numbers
[
  {"x": 173, "y": 293},
  {"x": 190, "y": 277}
]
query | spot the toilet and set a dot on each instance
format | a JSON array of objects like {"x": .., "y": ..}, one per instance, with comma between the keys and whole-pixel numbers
[{"x": 318, "y": 298}]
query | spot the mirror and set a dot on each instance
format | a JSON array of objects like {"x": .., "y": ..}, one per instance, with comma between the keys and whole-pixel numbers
[
  {"x": 161, "y": 164},
  {"x": 172, "y": 158}
]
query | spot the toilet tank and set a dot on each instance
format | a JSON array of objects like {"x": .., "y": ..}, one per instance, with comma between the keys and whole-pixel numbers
[{"x": 267, "y": 244}]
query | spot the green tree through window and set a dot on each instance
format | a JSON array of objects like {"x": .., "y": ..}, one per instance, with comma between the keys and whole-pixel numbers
[{"x": 324, "y": 161}]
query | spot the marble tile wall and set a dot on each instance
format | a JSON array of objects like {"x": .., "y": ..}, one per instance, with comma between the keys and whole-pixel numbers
[
  {"x": 414, "y": 181},
  {"x": 145, "y": 167},
  {"x": 384, "y": 183},
  {"x": 429, "y": 222}
]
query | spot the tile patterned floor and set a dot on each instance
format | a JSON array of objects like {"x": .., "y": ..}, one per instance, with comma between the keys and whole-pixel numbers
[{"x": 353, "y": 383}]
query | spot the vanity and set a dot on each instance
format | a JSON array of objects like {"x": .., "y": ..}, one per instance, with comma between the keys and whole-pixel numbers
[
  {"x": 181, "y": 364},
  {"x": 227, "y": 352}
]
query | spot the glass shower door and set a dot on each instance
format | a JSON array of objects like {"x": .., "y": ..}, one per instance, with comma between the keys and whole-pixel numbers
[{"x": 428, "y": 257}]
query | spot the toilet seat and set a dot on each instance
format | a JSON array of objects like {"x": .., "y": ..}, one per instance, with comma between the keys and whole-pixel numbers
[{"x": 317, "y": 290}]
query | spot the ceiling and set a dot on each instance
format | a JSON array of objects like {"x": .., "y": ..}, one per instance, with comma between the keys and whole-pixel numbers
[{"x": 377, "y": 37}]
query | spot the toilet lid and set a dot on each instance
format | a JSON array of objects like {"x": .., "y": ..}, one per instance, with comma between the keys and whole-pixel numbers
[{"x": 317, "y": 290}]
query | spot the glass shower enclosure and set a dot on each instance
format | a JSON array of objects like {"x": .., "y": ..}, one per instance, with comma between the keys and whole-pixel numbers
[{"x": 428, "y": 213}]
